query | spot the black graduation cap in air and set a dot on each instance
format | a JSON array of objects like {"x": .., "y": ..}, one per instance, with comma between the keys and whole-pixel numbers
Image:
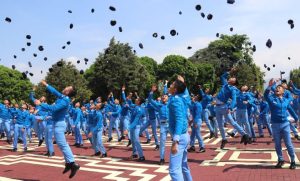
[
  {"x": 71, "y": 26},
  {"x": 41, "y": 71},
  {"x": 28, "y": 37},
  {"x": 45, "y": 58},
  {"x": 28, "y": 44},
  {"x": 31, "y": 74},
  {"x": 86, "y": 60},
  {"x": 59, "y": 63},
  {"x": 254, "y": 48},
  {"x": 120, "y": 29},
  {"x": 198, "y": 7},
  {"x": 154, "y": 35},
  {"x": 217, "y": 34},
  {"x": 7, "y": 19},
  {"x": 173, "y": 32},
  {"x": 189, "y": 47},
  {"x": 231, "y": 29},
  {"x": 35, "y": 55},
  {"x": 78, "y": 61},
  {"x": 68, "y": 42},
  {"x": 269, "y": 43},
  {"x": 15, "y": 56},
  {"x": 13, "y": 67},
  {"x": 290, "y": 21},
  {"x": 24, "y": 75},
  {"x": 162, "y": 37},
  {"x": 268, "y": 68},
  {"x": 23, "y": 49},
  {"x": 230, "y": 1},
  {"x": 202, "y": 15},
  {"x": 29, "y": 64},
  {"x": 265, "y": 65},
  {"x": 81, "y": 72},
  {"x": 273, "y": 65},
  {"x": 50, "y": 69},
  {"x": 63, "y": 47},
  {"x": 113, "y": 22},
  {"x": 92, "y": 10},
  {"x": 289, "y": 58},
  {"x": 69, "y": 11},
  {"x": 41, "y": 48},
  {"x": 141, "y": 45},
  {"x": 209, "y": 16},
  {"x": 112, "y": 8},
  {"x": 180, "y": 13}
]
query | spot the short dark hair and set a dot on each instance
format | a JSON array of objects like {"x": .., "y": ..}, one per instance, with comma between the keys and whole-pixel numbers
[
  {"x": 180, "y": 86},
  {"x": 72, "y": 93}
]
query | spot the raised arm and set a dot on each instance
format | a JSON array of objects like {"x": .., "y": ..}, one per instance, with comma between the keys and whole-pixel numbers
[
  {"x": 292, "y": 112},
  {"x": 294, "y": 89},
  {"x": 224, "y": 78}
]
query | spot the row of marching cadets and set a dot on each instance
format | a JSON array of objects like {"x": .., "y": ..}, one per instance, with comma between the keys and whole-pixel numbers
[{"x": 275, "y": 110}]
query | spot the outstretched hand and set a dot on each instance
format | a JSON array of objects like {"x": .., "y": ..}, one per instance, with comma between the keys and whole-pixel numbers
[
  {"x": 271, "y": 82},
  {"x": 44, "y": 83},
  {"x": 153, "y": 88},
  {"x": 179, "y": 77}
]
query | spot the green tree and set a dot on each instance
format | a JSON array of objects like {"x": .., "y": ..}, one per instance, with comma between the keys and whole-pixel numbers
[
  {"x": 151, "y": 66},
  {"x": 174, "y": 65},
  {"x": 116, "y": 67},
  {"x": 65, "y": 74},
  {"x": 295, "y": 77},
  {"x": 13, "y": 86}
]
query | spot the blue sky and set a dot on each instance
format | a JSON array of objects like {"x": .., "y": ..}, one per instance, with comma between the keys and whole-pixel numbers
[{"x": 48, "y": 24}]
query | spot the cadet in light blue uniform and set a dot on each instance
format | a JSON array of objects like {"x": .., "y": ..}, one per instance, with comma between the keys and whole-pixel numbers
[
  {"x": 163, "y": 110},
  {"x": 206, "y": 99},
  {"x": 59, "y": 111},
  {"x": 279, "y": 105},
  {"x": 178, "y": 125},
  {"x": 40, "y": 123},
  {"x": 96, "y": 130},
  {"x": 125, "y": 114},
  {"x": 22, "y": 116},
  {"x": 49, "y": 135},
  {"x": 227, "y": 91},
  {"x": 29, "y": 123},
  {"x": 114, "y": 116},
  {"x": 196, "y": 111},
  {"x": 5, "y": 119},
  {"x": 264, "y": 118},
  {"x": 137, "y": 115},
  {"x": 77, "y": 117}
]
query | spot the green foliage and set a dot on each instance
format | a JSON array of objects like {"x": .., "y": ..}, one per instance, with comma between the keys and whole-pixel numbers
[
  {"x": 174, "y": 65},
  {"x": 65, "y": 75},
  {"x": 151, "y": 66},
  {"x": 116, "y": 67},
  {"x": 295, "y": 77},
  {"x": 13, "y": 86}
]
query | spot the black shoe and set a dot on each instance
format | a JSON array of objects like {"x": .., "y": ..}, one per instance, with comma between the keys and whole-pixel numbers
[
  {"x": 162, "y": 162},
  {"x": 109, "y": 139},
  {"x": 253, "y": 140},
  {"x": 264, "y": 127},
  {"x": 279, "y": 164},
  {"x": 133, "y": 157},
  {"x": 67, "y": 168},
  {"x": 245, "y": 139},
  {"x": 120, "y": 139},
  {"x": 141, "y": 135},
  {"x": 103, "y": 155},
  {"x": 148, "y": 141},
  {"x": 25, "y": 149},
  {"x": 2, "y": 135},
  {"x": 129, "y": 143},
  {"x": 14, "y": 150},
  {"x": 47, "y": 154},
  {"x": 231, "y": 134},
  {"x": 141, "y": 159},
  {"x": 8, "y": 141},
  {"x": 79, "y": 145},
  {"x": 261, "y": 136},
  {"x": 97, "y": 154},
  {"x": 123, "y": 137},
  {"x": 297, "y": 137},
  {"x": 211, "y": 135},
  {"x": 51, "y": 154},
  {"x": 293, "y": 165},
  {"x": 76, "y": 144},
  {"x": 250, "y": 141},
  {"x": 41, "y": 142},
  {"x": 74, "y": 168},
  {"x": 157, "y": 147},
  {"x": 223, "y": 144},
  {"x": 20, "y": 141},
  {"x": 191, "y": 149},
  {"x": 54, "y": 142},
  {"x": 201, "y": 150}
]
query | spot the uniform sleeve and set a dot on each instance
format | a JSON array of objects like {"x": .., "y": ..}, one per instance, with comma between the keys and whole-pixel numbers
[
  {"x": 54, "y": 107},
  {"x": 99, "y": 125},
  {"x": 295, "y": 90},
  {"x": 224, "y": 78},
  {"x": 123, "y": 96},
  {"x": 233, "y": 99},
  {"x": 292, "y": 112},
  {"x": 136, "y": 119},
  {"x": 165, "y": 92},
  {"x": 53, "y": 91},
  {"x": 31, "y": 96},
  {"x": 267, "y": 95},
  {"x": 154, "y": 104}
]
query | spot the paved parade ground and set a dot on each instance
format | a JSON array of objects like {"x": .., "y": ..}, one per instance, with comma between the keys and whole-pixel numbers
[{"x": 235, "y": 162}]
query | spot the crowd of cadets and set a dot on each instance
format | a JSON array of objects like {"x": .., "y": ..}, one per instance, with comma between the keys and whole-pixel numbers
[{"x": 277, "y": 110}]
